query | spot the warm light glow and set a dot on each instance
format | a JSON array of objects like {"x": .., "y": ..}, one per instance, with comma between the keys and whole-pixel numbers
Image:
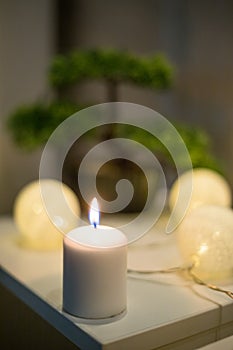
[
  {"x": 205, "y": 239},
  {"x": 203, "y": 182},
  {"x": 36, "y": 229},
  {"x": 203, "y": 248},
  {"x": 94, "y": 213}
]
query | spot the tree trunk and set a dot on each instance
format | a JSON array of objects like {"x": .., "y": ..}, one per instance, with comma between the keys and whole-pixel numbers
[{"x": 109, "y": 131}]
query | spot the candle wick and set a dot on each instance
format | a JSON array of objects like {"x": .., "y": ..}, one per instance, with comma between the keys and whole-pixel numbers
[{"x": 94, "y": 224}]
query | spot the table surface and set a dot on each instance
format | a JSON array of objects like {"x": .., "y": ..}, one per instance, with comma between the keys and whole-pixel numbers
[{"x": 163, "y": 309}]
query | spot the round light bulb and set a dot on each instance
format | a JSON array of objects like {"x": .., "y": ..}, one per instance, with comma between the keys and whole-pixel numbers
[
  {"x": 208, "y": 188},
  {"x": 37, "y": 229},
  {"x": 205, "y": 239}
]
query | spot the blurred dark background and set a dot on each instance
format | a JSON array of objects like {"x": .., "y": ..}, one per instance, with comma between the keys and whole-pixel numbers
[{"x": 195, "y": 35}]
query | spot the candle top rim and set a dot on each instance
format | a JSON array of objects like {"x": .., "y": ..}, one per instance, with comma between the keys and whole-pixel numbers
[{"x": 100, "y": 237}]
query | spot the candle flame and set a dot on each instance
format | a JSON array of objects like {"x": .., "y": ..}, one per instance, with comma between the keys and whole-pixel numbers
[{"x": 94, "y": 213}]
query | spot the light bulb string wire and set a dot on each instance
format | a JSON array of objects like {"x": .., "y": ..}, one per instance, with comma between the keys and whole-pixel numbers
[
  {"x": 197, "y": 280},
  {"x": 189, "y": 270}
]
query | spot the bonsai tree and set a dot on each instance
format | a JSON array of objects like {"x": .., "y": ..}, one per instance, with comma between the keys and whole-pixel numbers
[{"x": 32, "y": 125}]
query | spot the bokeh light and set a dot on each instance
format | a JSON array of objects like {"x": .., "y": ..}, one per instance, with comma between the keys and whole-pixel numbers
[{"x": 37, "y": 229}]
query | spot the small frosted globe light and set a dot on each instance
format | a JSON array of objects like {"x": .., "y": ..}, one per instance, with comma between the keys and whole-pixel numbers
[
  {"x": 205, "y": 239},
  {"x": 41, "y": 231},
  {"x": 208, "y": 187}
]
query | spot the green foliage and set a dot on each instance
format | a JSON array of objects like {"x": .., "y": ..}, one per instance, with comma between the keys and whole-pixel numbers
[
  {"x": 199, "y": 145},
  {"x": 196, "y": 140},
  {"x": 154, "y": 72},
  {"x": 32, "y": 125}
]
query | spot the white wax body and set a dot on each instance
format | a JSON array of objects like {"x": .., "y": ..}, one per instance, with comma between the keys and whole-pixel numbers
[{"x": 94, "y": 272}]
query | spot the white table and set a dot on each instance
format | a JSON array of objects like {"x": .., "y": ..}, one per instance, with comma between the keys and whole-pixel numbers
[{"x": 164, "y": 311}]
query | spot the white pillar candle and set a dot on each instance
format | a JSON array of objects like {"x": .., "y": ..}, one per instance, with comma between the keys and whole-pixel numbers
[{"x": 94, "y": 271}]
